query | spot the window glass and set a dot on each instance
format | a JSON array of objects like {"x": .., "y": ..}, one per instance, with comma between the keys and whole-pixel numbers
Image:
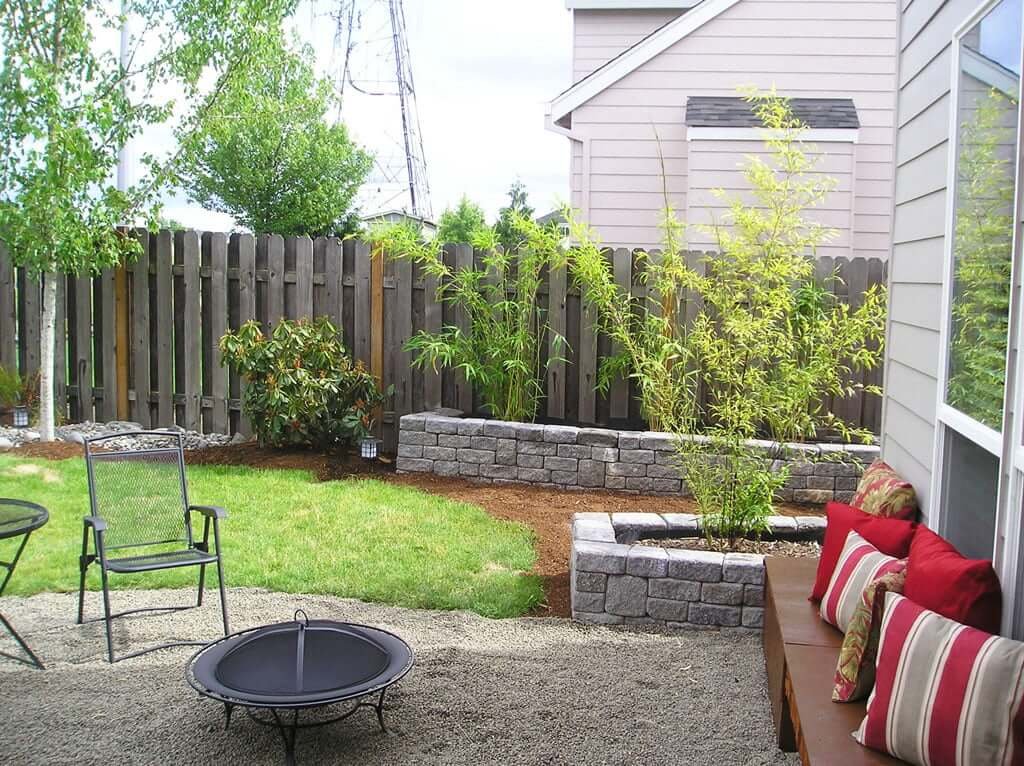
[
  {"x": 988, "y": 92},
  {"x": 971, "y": 478}
]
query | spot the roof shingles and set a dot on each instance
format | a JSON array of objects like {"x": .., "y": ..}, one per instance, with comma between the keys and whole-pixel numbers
[{"x": 736, "y": 112}]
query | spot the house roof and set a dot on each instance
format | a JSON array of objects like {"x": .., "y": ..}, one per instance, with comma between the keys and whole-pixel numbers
[
  {"x": 737, "y": 112},
  {"x": 632, "y": 58}
]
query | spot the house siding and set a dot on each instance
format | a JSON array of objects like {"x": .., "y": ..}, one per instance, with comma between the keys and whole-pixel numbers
[
  {"x": 818, "y": 50},
  {"x": 601, "y": 35}
]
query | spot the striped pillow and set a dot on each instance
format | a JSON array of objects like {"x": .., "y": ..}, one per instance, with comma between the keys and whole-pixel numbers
[
  {"x": 944, "y": 693},
  {"x": 859, "y": 565}
]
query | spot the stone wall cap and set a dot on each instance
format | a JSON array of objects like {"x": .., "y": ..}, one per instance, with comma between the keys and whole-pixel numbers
[{"x": 700, "y": 557}]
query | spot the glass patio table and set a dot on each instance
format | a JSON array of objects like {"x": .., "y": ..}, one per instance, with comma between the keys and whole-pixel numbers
[{"x": 18, "y": 518}]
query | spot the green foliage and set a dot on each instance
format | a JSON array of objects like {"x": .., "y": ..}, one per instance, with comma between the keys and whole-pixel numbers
[
  {"x": 507, "y": 227},
  {"x": 500, "y": 354},
  {"x": 10, "y": 387},
  {"x": 302, "y": 388},
  {"x": 461, "y": 225},
  {"x": 982, "y": 249},
  {"x": 268, "y": 156}
]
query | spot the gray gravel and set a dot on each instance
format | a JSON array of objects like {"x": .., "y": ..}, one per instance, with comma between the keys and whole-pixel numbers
[{"x": 524, "y": 691}]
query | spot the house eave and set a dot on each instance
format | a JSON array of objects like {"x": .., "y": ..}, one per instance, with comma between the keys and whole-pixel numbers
[{"x": 614, "y": 5}]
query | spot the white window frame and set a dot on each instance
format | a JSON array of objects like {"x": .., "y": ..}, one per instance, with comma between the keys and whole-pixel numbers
[{"x": 1006, "y": 446}]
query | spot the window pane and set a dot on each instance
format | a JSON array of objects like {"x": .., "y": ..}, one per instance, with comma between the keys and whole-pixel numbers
[
  {"x": 971, "y": 477},
  {"x": 988, "y": 92}
]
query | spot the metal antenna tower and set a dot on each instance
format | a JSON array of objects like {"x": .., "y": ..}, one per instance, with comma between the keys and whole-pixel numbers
[{"x": 372, "y": 61}]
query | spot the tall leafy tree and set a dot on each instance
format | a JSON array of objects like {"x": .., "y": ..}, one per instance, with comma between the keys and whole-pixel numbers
[
  {"x": 518, "y": 207},
  {"x": 461, "y": 224},
  {"x": 69, "y": 103},
  {"x": 268, "y": 156}
]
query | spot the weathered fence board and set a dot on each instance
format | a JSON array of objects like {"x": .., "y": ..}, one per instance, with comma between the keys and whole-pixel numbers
[{"x": 187, "y": 289}]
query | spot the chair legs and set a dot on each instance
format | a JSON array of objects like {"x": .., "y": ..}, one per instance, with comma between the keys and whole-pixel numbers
[
  {"x": 83, "y": 565},
  {"x": 220, "y": 576}
]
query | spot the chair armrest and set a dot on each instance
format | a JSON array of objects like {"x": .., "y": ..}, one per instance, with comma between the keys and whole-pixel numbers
[
  {"x": 96, "y": 523},
  {"x": 211, "y": 511}
]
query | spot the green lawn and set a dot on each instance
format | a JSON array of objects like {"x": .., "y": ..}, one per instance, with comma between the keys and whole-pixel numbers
[{"x": 363, "y": 539}]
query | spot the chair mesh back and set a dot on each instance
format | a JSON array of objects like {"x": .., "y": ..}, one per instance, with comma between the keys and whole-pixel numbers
[{"x": 140, "y": 495}]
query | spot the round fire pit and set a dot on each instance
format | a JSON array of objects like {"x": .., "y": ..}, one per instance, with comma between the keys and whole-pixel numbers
[{"x": 296, "y": 666}]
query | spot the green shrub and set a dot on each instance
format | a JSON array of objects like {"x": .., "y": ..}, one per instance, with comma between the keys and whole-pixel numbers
[
  {"x": 10, "y": 387},
  {"x": 302, "y": 387}
]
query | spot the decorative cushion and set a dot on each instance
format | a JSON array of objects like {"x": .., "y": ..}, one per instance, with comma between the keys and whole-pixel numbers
[
  {"x": 939, "y": 578},
  {"x": 860, "y": 564},
  {"x": 891, "y": 536},
  {"x": 883, "y": 492},
  {"x": 855, "y": 673},
  {"x": 945, "y": 694}
]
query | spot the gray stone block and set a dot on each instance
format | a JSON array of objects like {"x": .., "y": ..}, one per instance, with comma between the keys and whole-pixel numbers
[
  {"x": 446, "y": 468},
  {"x": 642, "y": 523},
  {"x": 655, "y": 440},
  {"x": 421, "y": 438},
  {"x": 576, "y": 451},
  {"x": 753, "y": 617},
  {"x": 597, "y": 437},
  {"x": 584, "y": 601},
  {"x": 660, "y": 486},
  {"x": 847, "y": 483},
  {"x": 782, "y": 525},
  {"x": 677, "y": 590},
  {"x": 438, "y": 425},
  {"x": 414, "y": 465},
  {"x": 629, "y": 440},
  {"x": 565, "y": 478},
  {"x": 599, "y": 618},
  {"x": 812, "y": 496},
  {"x": 647, "y": 561},
  {"x": 836, "y": 469},
  {"x": 664, "y": 472},
  {"x": 471, "y": 426},
  {"x": 626, "y": 595},
  {"x": 648, "y": 621},
  {"x": 811, "y": 524},
  {"x": 821, "y": 482},
  {"x": 410, "y": 450},
  {"x": 450, "y": 440},
  {"x": 634, "y": 470},
  {"x": 605, "y": 454},
  {"x": 843, "y": 497},
  {"x": 530, "y": 461},
  {"x": 800, "y": 468},
  {"x": 413, "y": 422},
  {"x": 743, "y": 568},
  {"x": 537, "y": 448},
  {"x": 562, "y": 464},
  {"x": 500, "y": 429},
  {"x": 475, "y": 456},
  {"x": 714, "y": 614},
  {"x": 440, "y": 453},
  {"x": 534, "y": 475},
  {"x": 591, "y": 473},
  {"x": 603, "y": 558},
  {"x": 614, "y": 482},
  {"x": 667, "y": 458},
  {"x": 483, "y": 442},
  {"x": 753, "y": 595},
  {"x": 705, "y": 566},
  {"x": 685, "y": 523},
  {"x": 664, "y": 609},
  {"x": 591, "y": 582},
  {"x": 505, "y": 452},
  {"x": 560, "y": 434},
  {"x": 727, "y": 593},
  {"x": 469, "y": 469},
  {"x": 797, "y": 482},
  {"x": 529, "y": 432},
  {"x": 641, "y": 483},
  {"x": 644, "y": 456},
  {"x": 507, "y": 472}
]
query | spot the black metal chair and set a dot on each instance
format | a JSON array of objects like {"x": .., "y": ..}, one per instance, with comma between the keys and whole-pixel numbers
[{"x": 141, "y": 521}]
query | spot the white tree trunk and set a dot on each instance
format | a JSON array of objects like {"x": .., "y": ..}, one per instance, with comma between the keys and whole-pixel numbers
[{"x": 47, "y": 342}]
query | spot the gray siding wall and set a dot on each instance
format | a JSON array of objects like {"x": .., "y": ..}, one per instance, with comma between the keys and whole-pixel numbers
[{"x": 601, "y": 35}]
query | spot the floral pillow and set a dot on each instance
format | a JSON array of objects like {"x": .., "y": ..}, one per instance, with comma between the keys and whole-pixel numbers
[
  {"x": 855, "y": 674},
  {"x": 883, "y": 492}
]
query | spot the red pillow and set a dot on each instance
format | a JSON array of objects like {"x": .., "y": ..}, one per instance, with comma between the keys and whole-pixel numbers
[
  {"x": 891, "y": 536},
  {"x": 941, "y": 580}
]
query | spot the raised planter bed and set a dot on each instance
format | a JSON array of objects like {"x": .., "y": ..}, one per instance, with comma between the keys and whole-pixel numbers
[
  {"x": 616, "y": 582},
  {"x": 600, "y": 458}
]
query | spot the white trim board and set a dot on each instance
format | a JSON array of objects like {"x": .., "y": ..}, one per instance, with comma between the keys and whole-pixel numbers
[
  {"x": 816, "y": 135},
  {"x": 655, "y": 43},
  {"x": 627, "y": 5}
]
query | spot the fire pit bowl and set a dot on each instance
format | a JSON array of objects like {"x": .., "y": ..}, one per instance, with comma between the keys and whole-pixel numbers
[{"x": 290, "y": 667}]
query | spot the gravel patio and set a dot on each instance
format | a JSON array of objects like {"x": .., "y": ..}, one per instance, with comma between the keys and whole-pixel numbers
[{"x": 522, "y": 691}]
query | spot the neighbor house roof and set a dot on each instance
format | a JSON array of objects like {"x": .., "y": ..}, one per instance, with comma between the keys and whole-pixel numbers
[
  {"x": 639, "y": 54},
  {"x": 737, "y": 112}
]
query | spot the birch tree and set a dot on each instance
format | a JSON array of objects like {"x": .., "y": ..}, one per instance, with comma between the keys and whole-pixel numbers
[{"x": 70, "y": 102}]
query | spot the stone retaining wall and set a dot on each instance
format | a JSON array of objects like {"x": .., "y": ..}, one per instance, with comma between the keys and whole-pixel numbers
[
  {"x": 599, "y": 458},
  {"x": 614, "y": 582}
]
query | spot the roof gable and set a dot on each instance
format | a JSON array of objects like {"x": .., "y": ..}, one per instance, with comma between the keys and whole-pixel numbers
[{"x": 645, "y": 50}]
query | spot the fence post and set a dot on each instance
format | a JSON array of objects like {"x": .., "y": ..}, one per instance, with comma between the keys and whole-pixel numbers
[
  {"x": 140, "y": 332},
  {"x": 122, "y": 351},
  {"x": 557, "y": 279},
  {"x": 8, "y": 312},
  {"x": 622, "y": 267}
]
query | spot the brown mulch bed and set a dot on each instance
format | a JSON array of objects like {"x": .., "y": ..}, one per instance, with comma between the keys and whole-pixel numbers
[
  {"x": 546, "y": 510},
  {"x": 789, "y": 548}
]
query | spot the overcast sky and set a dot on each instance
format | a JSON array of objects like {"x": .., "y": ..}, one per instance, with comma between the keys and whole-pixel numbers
[{"x": 483, "y": 73}]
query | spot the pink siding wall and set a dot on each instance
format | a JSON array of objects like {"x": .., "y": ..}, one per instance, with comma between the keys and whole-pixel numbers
[
  {"x": 600, "y": 36},
  {"x": 825, "y": 48}
]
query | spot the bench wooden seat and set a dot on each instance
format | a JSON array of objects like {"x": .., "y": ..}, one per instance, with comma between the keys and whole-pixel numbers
[{"x": 800, "y": 653}]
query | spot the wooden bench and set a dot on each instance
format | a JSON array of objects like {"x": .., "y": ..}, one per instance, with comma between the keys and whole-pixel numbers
[{"x": 801, "y": 652}]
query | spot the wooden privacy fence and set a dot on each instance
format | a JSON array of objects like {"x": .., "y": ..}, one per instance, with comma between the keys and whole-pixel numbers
[{"x": 140, "y": 343}]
